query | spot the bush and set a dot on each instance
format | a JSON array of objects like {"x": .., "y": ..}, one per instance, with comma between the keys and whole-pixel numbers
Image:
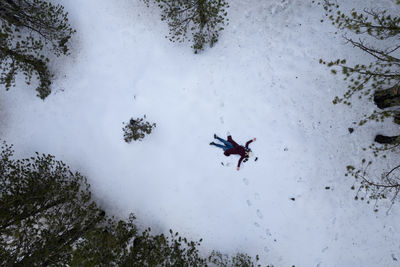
[{"x": 137, "y": 129}]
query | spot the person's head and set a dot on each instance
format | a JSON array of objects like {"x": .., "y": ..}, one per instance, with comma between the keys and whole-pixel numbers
[{"x": 248, "y": 153}]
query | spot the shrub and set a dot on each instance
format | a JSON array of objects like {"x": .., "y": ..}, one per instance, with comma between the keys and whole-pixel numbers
[{"x": 137, "y": 129}]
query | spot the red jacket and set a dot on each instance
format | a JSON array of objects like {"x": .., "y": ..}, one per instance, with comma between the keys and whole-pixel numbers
[{"x": 237, "y": 150}]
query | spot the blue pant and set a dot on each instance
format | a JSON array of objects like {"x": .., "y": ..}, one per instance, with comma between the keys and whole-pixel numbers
[{"x": 227, "y": 145}]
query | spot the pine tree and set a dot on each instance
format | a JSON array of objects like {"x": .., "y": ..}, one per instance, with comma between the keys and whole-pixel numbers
[
  {"x": 379, "y": 81},
  {"x": 239, "y": 260},
  {"x": 160, "y": 250},
  {"x": 373, "y": 189},
  {"x": 44, "y": 208},
  {"x": 48, "y": 218},
  {"x": 106, "y": 245},
  {"x": 199, "y": 21},
  {"x": 29, "y": 30}
]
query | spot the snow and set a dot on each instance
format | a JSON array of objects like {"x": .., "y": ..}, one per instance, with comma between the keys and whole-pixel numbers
[{"x": 262, "y": 79}]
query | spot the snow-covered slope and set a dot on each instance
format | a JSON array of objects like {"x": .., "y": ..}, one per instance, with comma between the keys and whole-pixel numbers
[{"x": 262, "y": 79}]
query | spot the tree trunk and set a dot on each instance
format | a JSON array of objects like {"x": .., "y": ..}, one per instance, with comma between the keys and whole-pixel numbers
[
  {"x": 392, "y": 140},
  {"x": 387, "y": 98}
]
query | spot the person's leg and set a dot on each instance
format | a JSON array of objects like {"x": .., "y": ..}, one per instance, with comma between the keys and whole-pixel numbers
[
  {"x": 226, "y": 143},
  {"x": 220, "y": 146},
  {"x": 229, "y": 145}
]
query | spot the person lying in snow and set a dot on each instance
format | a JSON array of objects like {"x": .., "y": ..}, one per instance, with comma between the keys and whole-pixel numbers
[{"x": 231, "y": 147}]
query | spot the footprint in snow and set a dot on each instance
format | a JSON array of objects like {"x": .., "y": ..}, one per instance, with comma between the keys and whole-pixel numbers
[
  {"x": 267, "y": 232},
  {"x": 248, "y": 203},
  {"x": 221, "y": 119},
  {"x": 256, "y": 224},
  {"x": 259, "y": 214},
  {"x": 257, "y": 196},
  {"x": 245, "y": 181}
]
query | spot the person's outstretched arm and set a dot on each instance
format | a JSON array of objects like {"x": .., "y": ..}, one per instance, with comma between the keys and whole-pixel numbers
[
  {"x": 240, "y": 162},
  {"x": 248, "y": 142}
]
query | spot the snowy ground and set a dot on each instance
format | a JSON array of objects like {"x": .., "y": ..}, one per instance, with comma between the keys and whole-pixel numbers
[{"x": 262, "y": 80}]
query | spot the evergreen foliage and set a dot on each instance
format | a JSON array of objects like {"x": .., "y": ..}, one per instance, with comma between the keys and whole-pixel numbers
[
  {"x": 379, "y": 81},
  {"x": 29, "y": 30},
  {"x": 373, "y": 189},
  {"x": 160, "y": 250},
  {"x": 239, "y": 260},
  {"x": 199, "y": 21},
  {"x": 106, "y": 245},
  {"x": 48, "y": 218},
  {"x": 137, "y": 129},
  {"x": 383, "y": 72},
  {"x": 45, "y": 209}
]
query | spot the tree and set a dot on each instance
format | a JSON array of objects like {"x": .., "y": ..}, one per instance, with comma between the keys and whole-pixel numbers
[
  {"x": 386, "y": 186},
  {"x": 107, "y": 245},
  {"x": 160, "y": 250},
  {"x": 379, "y": 81},
  {"x": 48, "y": 218},
  {"x": 29, "y": 29},
  {"x": 45, "y": 209},
  {"x": 239, "y": 260},
  {"x": 199, "y": 21}
]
